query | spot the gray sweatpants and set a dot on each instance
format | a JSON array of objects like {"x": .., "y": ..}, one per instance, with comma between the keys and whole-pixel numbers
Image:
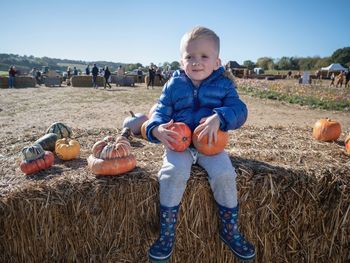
[{"x": 176, "y": 171}]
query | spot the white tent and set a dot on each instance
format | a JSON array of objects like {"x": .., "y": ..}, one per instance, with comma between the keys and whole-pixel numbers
[{"x": 335, "y": 67}]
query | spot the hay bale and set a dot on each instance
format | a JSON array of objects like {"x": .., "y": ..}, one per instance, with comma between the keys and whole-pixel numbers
[
  {"x": 86, "y": 81},
  {"x": 293, "y": 191},
  {"x": 156, "y": 81},
  {"x": 52, "y": 81},
  {"x": 24, "y": 82},
  {"x": 123, "y": 80},
  {"x": 4, "y": 82}
]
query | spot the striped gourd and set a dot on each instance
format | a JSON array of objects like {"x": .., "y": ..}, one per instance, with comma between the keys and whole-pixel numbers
[
  {"x": 32, "y": 153},
  {"x": 62, "y": 130},
  {"x": 47, "y": 141},
  {"x": 109, "y": 148}
]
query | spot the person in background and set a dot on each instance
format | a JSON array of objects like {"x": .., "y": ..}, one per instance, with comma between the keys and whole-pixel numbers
[
  {"x": 94, "y": 73},
  {"x": 340, "y": 79},
  {"x": 347, "y": 78},
  {"x": 120, "y": 71},
  {"x": 87, "y": 70},
  {"x": 139, "y": 75},
  {"x": 151, "y": 75},
  {"x": 159, "y": 75},
  {"x": 69, "y": 74},
  {"x": 106, "y": 75},
  {"x": 201, "y": 96},
  {"x": 12, "y": 75},
  {"x": 75, "y": 71},
  {"x": 332, "y": 80}
]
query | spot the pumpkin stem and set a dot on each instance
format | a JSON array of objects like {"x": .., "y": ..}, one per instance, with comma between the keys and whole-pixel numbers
[{"x": 132, "y": 113}]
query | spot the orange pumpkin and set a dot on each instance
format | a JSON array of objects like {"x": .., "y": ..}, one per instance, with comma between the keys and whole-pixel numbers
[
  {"x": 39, "y": 164},
  {"x": 326, "y": 130},
  {"x": 143, "y": 130},
  {"x": 153, "y": 108},
  {"x": 214, "y": 148},
  {"x": 347, "y": 144},
  {"x": 67, "y": 149},
  {"x": 183, "y": 140},
  {"x": 112, "y": 156},
  {"x": 111, "y": 167}
]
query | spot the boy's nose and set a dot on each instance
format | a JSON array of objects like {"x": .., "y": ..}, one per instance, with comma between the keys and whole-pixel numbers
[{"x": 195, "y": 64}]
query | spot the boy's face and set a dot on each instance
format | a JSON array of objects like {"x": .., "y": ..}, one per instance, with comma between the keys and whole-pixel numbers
[{"x": 199, "y": 59}]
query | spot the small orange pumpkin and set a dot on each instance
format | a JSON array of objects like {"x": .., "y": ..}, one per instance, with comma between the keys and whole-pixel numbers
[
  {"x": 203, "y": 147},
  {"x": 143, "y": 130},
  {"x": 326, "y": 130},
  {"x": 347, "y": 144},
  {"x": 152, "y": 109},
  {"x": 183, "y": 140},
  {"x": 67, "y": 149}
]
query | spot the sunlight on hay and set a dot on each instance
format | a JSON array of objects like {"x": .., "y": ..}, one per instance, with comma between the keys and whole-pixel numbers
[{"x": 293, "y": 193}]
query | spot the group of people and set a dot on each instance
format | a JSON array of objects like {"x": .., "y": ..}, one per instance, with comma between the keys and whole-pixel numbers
[
  {"x": 342, "y": 77},
  {"x": 94, "y": 72},
  {"x": 156, "y": 72}
]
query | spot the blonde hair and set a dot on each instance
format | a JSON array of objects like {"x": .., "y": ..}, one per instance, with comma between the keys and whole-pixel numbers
[{"x": 199, "y": 33}]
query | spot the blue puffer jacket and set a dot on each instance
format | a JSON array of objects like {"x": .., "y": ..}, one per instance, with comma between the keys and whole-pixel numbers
[{"x": 183, "y": 102}]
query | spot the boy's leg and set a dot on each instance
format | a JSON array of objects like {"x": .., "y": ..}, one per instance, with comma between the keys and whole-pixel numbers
[
  {"x": 172, "y": 178},
  {"x": 222, "y": 179}
]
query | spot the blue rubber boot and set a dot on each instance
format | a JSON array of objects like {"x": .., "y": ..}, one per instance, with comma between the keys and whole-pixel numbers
[
  {"x": 162, "y": 249},
  {"x": 230, "y": 234}
]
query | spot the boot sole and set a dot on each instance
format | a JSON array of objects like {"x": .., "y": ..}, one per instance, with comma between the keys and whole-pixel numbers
[
  {"x": 243, "y": 258},
  {"x": 158, "y": 259}
]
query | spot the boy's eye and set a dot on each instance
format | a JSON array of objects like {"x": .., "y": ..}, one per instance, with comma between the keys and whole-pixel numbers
[
  {"x": 188, "y": 57},
  {"x": 204, "y": 56}
]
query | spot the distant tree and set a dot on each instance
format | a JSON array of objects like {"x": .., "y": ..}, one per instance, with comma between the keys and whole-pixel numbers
[
  {"x": 284, "y": 63},
  {"x": 342, "y": 56},
  {"x": 249, "y": 64},
  {"x": 308, "y": 63},
  {"x": 175, "y": 65},
  {"x": 322, "y": 62},
  {"x": 265, "y": 63}
]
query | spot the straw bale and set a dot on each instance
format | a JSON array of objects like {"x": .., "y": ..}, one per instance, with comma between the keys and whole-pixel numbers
[
  {"x": 123, "y": 80},
  {"x": 24, "y": 82},
  {"x": 86, "y": 81},
  {"x": 293, "y": 192},
  {"x": 156, "y": 81},
  {"x": 4, "y": 82}
]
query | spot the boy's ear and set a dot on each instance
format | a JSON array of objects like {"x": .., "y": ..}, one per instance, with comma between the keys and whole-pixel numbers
[{"x": 218, "y": 63}]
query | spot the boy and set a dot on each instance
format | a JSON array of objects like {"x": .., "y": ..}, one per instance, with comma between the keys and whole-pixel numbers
[{"x": 203, "y": 98}]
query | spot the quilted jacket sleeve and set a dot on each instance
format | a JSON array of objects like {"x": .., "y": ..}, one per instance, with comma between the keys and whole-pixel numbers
[{"x": 233, "y": 113}]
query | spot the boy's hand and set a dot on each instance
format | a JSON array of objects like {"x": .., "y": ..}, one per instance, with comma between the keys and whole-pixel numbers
[
  {"x": 164, "y": 135},
  {"x": 209, "y": 125}
]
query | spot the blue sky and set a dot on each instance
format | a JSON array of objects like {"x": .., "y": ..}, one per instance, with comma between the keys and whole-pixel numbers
[{"x": 150, "y": 31}]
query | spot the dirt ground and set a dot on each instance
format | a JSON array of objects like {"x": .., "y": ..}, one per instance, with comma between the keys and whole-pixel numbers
[{"x": 22, "y": 110}]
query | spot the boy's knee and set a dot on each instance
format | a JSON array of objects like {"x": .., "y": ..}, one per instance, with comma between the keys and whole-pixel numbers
[
  {"x": 224, "y": 178},
  {"x": 175, "y": 174}
]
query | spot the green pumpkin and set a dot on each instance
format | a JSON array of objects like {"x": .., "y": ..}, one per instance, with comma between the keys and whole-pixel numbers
[
  {"x": 48, "y": 141},
  {"x": 32, "y": 153},
  {"x": 62, "y": 130}
]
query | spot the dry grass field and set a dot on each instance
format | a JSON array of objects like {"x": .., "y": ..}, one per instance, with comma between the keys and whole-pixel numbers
[{"x": 293, "y": 191}]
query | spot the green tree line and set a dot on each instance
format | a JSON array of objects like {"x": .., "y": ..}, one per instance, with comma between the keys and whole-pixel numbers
[{"x": 341, "y": 56}]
